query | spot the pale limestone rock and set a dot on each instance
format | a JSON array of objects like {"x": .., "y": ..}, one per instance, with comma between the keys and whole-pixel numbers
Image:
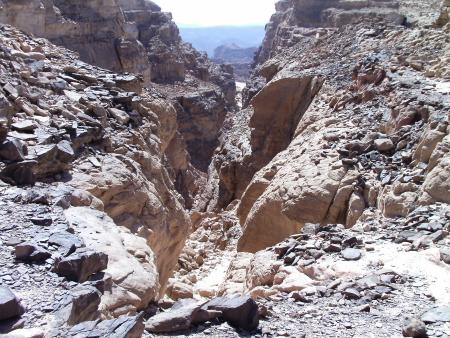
[
  {"x": 430, "y": 139},
  {"x": 262, "y": 270},
  {"x": 178, "y": 290},
  {"x": 132, "y": 194},
  {"x": 437, "y": 183},
  {"x": 289, "y": 279},
  {"x": 398, "y": 199},
  {"x": 234, "y": 281},
  {"x": 356, "y": 206}
]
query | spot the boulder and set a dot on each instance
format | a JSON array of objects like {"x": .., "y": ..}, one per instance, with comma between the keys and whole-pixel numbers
[
  {"x": 350, "y": 254},
  {"x": 79, "y": 266},
  {"x": 130, "y": 261},
  {"x": 239, "y": 312},
  {"x": 79, "y": 306},
  {"x": 384, "y": 145},
  {"x": 437, "y": 182},
  {"x": 19, "y": 173},
  {"x": 415, "y": 328},
  {"x": 178, "y": 290},
  {"x": 53, "y": 158},
  {"x": 181, "y": 317},
  {"x": 30, "y": 252},
  {"x": 13, "y": 150},
  {"x": 10, "y": 305},
  {"x": 262, "y": 269},
  {"x": 121, "y": 116}
]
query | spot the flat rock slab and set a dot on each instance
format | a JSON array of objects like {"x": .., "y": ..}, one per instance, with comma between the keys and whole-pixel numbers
[
  {"x": 174, "y": 320},
  {"x": 24, "y": 126},
  {"x": 350, "y": 254},
  {"x": 121, "y": 327},
  {"x": 437, "y": 314}
]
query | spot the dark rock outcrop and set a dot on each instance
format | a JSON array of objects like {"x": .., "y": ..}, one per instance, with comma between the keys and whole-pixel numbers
[{"x": 79, "y": 266}]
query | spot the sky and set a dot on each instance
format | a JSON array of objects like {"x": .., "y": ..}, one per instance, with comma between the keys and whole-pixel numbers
[{"x": 219, "y": 12}]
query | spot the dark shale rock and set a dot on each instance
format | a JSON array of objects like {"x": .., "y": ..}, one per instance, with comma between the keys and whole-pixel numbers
[{"x": 80, "y": 265}]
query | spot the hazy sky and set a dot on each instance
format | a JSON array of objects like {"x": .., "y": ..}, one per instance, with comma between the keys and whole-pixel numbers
[{"x": 219, "y": 12}]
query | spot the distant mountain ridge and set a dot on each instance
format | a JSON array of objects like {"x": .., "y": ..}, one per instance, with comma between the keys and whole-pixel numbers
[{"x": 207, "y": 39}]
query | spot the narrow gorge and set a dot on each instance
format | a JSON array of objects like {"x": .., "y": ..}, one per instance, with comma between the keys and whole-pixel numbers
[{"x": 143, "y": 193}]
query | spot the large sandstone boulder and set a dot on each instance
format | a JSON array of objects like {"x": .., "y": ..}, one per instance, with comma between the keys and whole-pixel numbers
[
  {"x": 131, "y": 262},
  {"x": 143, "y": 201},
  {"x": 278, "y": 108},
  {"x": 437, "y": 184}
]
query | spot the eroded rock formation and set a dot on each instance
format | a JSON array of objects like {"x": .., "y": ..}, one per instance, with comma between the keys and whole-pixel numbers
[
  {"x": 95, "y": 150},
  {"x": 325, "y": 198},
  {"x": 137, "y": 37}
]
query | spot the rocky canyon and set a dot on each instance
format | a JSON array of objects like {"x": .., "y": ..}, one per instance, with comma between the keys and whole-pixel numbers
[{"x": 143, "y": 195}]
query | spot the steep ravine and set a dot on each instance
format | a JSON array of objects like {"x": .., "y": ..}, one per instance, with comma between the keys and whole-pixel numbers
[{"x": 321, "y": 208}]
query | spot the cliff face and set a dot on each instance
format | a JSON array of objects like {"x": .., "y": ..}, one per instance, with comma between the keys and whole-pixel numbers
[
  {"x": 136, "y": 37},
  {"x": 279, "y": 158},
  {"x": 97, "y": 30},
  {"x": 293, "y": 18},
  {"x": 239, "y": 58},
  {"x": 338, "y": 160}
]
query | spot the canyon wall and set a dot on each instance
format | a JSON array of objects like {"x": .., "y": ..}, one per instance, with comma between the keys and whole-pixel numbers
[
  {"x": 103, "y": 176},
  {"x": 290, "y": 156}
]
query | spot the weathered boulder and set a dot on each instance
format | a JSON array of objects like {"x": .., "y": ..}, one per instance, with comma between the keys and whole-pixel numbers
[
  {"x": 179, "y": 318},
  {"x": 415, "y": 328},
  {"x": 178, "y": 290},
  {"x": 240, "y": 312},
  {"x": 437, "y": 183},
  {"x": 10, "y": 305},
  {"x": 144, "y": 197},
  {"x": 30, "y": 252},
  {"x": 130, "y": 261},
  {"x": 262, "y": 270},
  {"x": 13, "y": 150}
]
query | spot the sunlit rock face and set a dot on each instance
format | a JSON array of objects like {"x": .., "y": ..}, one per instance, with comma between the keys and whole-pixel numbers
[
  {"x": 293, "y": 16},
  {"x": 96, "y": 29}
]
